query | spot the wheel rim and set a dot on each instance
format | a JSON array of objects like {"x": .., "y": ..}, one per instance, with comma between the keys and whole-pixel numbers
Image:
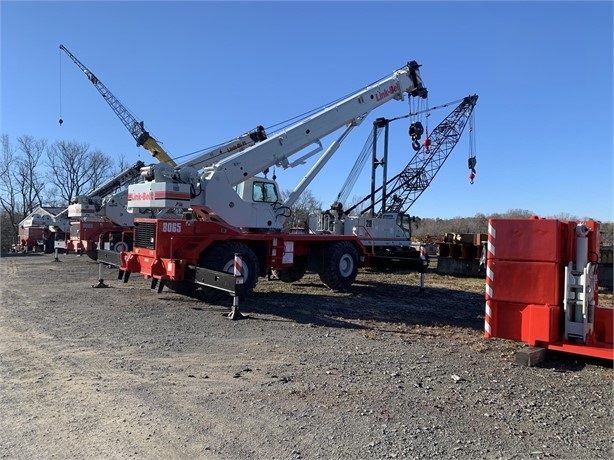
[
  {"x": 120, "y": 247},
  {"x": 346, "y": 265}
]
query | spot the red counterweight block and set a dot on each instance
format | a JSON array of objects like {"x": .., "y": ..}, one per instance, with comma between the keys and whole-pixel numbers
[{"x": 525, "y": 283}]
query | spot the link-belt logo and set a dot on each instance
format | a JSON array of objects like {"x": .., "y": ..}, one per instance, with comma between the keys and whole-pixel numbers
[
  {"x": 236, "y": 146},
  {"x": 136, "y": 196},
  {"x": 386, "y": 92}
]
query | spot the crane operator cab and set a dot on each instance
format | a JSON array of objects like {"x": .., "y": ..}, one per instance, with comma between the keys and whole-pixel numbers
[{"x": 258, "y": 190}]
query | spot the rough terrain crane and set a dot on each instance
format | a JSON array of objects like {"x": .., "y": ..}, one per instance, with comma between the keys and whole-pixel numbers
[
  {"x": 233, "y": 210},
  {"x": 100, "y": 217}
]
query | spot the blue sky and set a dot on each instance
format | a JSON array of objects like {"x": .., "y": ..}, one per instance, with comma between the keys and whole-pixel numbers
[{"x": 200, "y": 73}]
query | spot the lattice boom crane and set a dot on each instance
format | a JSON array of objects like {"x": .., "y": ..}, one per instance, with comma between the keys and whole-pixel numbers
[
  {"x": 410, "y": 183},
  {"x": 135, "y": 127}
]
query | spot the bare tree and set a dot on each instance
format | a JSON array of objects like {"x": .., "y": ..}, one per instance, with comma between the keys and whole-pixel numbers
[
  {"x": 28, "y": 172},
  {"x": 8, "y": 194},
  {"x": 21, "y": 181},
  {"x": 306, "y": 205},
  {"x": 74, "y": 170}
]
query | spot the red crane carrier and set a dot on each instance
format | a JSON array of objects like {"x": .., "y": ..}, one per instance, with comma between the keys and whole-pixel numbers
[{"x": 542, "y": 287}]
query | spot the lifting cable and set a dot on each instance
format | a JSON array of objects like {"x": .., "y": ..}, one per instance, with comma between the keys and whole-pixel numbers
[
  {"x": 472, "y": 161},
  {"x": 415, "y": 128},
  {"x": 426, "y": 143},
  {"x": 361, "y": 160},
  {"x": 60, "y": 66}
]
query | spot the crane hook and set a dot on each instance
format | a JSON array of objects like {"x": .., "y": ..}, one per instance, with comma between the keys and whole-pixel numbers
[
  {"x": 61, "y": 121},
  {"x": 471, "y": 162},
  {"x": 426, "y": 143}
]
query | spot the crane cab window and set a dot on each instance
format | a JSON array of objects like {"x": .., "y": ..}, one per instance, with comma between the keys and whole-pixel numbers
[
  {"x": 264, "y": 192},
  {"x": 404, "y": 221}
]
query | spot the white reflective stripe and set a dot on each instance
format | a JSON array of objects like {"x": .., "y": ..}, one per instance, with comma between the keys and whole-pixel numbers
[
  {"x": 493, "y": 233},
  {"x": 238, "y": 266},
  {"x": 491, "y": 230},
  {"x": 490, "y": 274},
  {"x": 487, "y": 317},
  {"x": 489, "y": 291}
]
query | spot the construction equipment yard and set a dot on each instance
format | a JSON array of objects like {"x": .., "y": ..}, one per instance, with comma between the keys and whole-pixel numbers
[{"x": 385, "y": 370}]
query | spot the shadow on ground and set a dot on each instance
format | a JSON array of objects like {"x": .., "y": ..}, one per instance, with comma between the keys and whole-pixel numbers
[{"x": 369, "y": 302}]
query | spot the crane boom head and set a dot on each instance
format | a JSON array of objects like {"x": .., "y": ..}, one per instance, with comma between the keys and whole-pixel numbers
[{"x": 419, "y": 89}]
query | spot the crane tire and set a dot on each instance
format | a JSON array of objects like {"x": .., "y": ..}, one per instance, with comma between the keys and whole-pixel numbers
[
  {"x": 339, "y": 265},
  {"x": 123, "y": 246},
  {"x": 221, "y": 257}
]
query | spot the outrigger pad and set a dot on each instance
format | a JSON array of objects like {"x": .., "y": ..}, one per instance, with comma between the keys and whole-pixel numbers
[
  {"x": 235, "y": 314},
  {"x": 100, "y": 284}
]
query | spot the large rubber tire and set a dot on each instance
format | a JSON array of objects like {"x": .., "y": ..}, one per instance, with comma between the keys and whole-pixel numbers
[
  {"x": 118, "y": 245},
  {"x": 221, "y": 257},
  {"x": 339, "y": 265}
]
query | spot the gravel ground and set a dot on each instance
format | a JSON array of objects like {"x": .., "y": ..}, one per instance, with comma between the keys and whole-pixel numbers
[{"x": 384, "y": 371}]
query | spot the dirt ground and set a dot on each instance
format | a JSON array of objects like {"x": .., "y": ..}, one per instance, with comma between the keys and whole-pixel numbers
[{"x": 384, "y": 371}]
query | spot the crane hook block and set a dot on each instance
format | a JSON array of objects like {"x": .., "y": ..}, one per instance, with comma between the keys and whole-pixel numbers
[
  {"x": 416, "y": 130},
  {"x": 60, "y": 121}
]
